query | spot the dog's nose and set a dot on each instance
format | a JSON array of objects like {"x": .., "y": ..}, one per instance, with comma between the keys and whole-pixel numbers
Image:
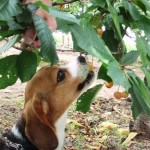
[{"x": 82, "y": 59}]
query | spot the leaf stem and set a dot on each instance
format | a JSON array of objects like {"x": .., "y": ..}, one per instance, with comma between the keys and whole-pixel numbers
[{"x": 63, "y": 3}]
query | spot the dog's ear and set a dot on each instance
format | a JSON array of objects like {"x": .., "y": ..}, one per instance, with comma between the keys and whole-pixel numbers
[{"x": 38, "y": 129}]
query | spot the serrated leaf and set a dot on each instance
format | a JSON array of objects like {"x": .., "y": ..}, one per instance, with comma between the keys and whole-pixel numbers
[
  {"x": 75, "y": 44},
  {"x": 26, "y": 65},
  {"x": 85, "y": 100},
  {"x": 7, "y": 33},
  {"x": 59, "y": 14},
  {"x": 9, "y": 8},
  {"x": 10, "y": 43},
  {"x": 117, "y": 75},
  {"x": 143, "y": 46},
  {"x": 136, "y": 107},
  {"x": 102, "y": 73},
  {"x": 146, "y": 3},
  {"x": 130, "y": 57},
  {"x": 13, "y": 25},
  {"x": 115, "y": 18},
  {"x": 143, "y": 24},
  {"x": 147, "y": 75},
  {"x": 132, "y": 10},
  {"x": 21, "y": 18},
  {"x": 141, "y": 5},
  {"x": 110, "y": 40},
  {"x": 48, "y": 49},
  {"x": 101, "y": 3},
  {"x": 8, "y": 71},
  {"x": 88, "y": 40},
  {"x": 140, "y": 94},
  {"x": 63, "y": 26}
]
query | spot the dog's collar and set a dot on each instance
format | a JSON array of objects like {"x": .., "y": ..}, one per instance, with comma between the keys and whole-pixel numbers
[
  {"x": 12, "y": 145},
  {"x": 15, "y": 146}
]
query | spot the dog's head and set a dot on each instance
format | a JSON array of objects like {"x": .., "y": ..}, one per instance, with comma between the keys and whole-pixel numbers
[{"x": 48, "y": 95}]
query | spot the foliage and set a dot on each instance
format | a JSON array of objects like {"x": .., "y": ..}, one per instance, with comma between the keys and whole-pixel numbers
[{"x": 115, "y": 15}]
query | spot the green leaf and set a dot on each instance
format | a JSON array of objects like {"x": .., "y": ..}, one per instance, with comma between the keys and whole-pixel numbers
[
  {"x": 143, "y": 46},
  {"x": 26, "y": 65},
  {"x": 100, "y": 3},
  {"x": 117, "y": 75},
  {"x": 110, "y": 40},
  {"x": 8, "y": 71},
  {"x": 5, "y": 32},
  {"x": 88, "y": 40},
  {"x": 10, "y": 43},
  {"x": 116, "y": 21},
  {"x": 147, "y": 75},
  {"x": 9, "y": 8},
  {"x": 143, "y": 24},
  {"x": 141, "y": 95},
  {"x": 63, "y": 26},
  {"x": 85, "y": 100},
  {"x": 59, "y": 14},
  {"x": 75, "y": 44},
  {"x": 8, "y": 33},
  {"x": 63, "y": 15},
  {"x": 130, "y": 57},
  {"x": 132, "y": 10},
  {"x": 13, "y": 25},
  {"x": 146, "y": 3},
  {"x": 136, "y": 107},
  {"x": 48, "y": 49},
  {"x": 102, "y": 73},
  {"x": 22, "y": 18},
  {"x": 141, "y": 5}
]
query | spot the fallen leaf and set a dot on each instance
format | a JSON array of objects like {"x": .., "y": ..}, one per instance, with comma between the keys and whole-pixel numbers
[
  {"x": 107, "y": 125},
  {"x": 123, "y": 131},
  {"x": 74, "y": 122},
  {"x": 129, "y": 138}
]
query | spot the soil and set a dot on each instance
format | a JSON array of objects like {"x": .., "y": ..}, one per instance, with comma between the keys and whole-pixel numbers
[{"x": 83, "y": 131}]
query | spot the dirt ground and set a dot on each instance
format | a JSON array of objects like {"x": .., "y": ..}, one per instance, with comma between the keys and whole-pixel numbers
[{"x": 105, "y": 126}]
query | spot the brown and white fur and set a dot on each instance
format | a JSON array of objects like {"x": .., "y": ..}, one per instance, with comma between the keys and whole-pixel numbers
[{"x": 48, "y": 96}]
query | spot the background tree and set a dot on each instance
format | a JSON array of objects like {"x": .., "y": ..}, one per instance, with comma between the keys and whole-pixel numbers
[{"x": 84, "y": 20}]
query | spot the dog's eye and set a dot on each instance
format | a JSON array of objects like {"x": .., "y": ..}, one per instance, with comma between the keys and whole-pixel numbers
[{"x": 60, "y": 76}]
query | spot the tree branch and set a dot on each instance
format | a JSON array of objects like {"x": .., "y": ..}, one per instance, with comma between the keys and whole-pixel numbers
[{"x": 63, "y": 3}]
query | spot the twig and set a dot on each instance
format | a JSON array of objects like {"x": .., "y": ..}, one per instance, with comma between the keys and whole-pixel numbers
[{"x": 63, "y": 3}]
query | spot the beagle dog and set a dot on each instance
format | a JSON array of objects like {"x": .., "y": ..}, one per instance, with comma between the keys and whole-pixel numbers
[{"x": 48, "y": 96}]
